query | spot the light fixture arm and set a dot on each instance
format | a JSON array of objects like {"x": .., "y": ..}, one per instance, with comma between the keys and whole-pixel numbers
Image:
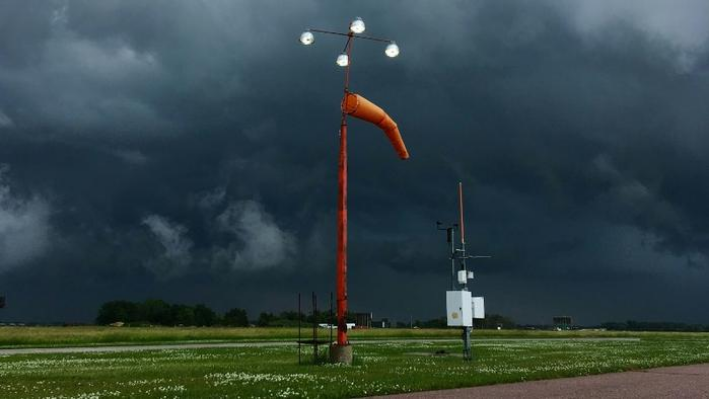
[{"x": 350, "y": 34}]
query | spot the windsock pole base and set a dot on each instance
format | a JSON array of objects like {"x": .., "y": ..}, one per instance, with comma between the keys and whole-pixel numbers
[{"x": 341, "y": 354}]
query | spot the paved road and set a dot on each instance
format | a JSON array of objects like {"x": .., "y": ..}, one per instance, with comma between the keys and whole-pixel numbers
[
  {"x": 668, "y": 382},
  {"x": 211, "y": 345}
]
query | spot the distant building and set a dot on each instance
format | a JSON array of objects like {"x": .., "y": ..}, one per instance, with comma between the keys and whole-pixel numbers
[
  {"x": 363, "y": 320},
  {"x": 563, "y": 322},
  {"x": 366, "y": 320},
  {"x": 382, "y": 323}
]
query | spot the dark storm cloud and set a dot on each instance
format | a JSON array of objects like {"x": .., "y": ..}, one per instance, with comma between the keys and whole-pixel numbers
[
  {"x": 24, "y": 226},
  {"x": 187, "y": 150}
]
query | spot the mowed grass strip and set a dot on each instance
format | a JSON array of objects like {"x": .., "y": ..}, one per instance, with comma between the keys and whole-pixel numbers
[
  {"x": 380, "y": 368},
  {"x": 12, "y": 337}
]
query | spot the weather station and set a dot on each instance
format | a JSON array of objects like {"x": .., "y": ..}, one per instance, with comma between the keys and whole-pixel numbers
[
  {"x": 461, "y": 306},
  {"x": 359, "y": 107}
]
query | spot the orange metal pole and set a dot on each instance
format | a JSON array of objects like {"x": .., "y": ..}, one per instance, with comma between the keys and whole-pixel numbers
[
  {"x": 460, "y": 205},
  {"x": 342, "y": 215},
  {"x": 342, "y": 239}
]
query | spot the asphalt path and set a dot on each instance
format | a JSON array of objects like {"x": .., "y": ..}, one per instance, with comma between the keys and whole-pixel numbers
[
  {"x": 667, "y": 382},
  {"x": 259, "y": 344}
]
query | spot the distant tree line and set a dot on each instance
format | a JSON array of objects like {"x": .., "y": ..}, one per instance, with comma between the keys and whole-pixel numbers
[
  {"x": 632, "y": 325},
  {"x": 290, "y": 319},
  {"x": 159, "y": 312},
  {"x": 491, "y": 321}
]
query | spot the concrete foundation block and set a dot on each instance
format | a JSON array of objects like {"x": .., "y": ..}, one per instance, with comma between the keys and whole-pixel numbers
[{"x": 341, "y": 354}]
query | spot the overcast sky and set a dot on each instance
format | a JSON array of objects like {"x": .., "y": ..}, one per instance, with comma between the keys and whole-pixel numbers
[{"x": 187, "y": 150}]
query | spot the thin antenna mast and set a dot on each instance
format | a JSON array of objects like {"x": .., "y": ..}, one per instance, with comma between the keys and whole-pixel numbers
[{"x": 460, "y": 206}]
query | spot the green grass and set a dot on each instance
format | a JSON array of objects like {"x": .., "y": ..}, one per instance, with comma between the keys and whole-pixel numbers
[
  {"x": 88, "y": 336},
  {"x": 380, "y": 368}
]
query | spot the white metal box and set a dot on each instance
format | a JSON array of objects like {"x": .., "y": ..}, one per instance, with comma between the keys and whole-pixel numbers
[
  {"x": 478, "y": 307},
  {"x": 462, "y": 277},
  {"x": 459, "y": 309}
]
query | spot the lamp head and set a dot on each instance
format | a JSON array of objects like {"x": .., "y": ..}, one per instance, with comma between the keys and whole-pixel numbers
[
  {"x": 357, "y": 26},
  {"x": 392, "y": 50},
  {"x": 307, "y": 38},
  {"x": 343, "y": 60}
]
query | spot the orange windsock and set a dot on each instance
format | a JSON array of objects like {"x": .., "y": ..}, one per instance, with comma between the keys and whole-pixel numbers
[{"x": 361, "y": 108}]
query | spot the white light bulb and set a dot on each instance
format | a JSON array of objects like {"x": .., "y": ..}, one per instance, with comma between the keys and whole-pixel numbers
[
  {"x": 307, "y": 38},
  {"x": 343, "y": 60},
  {"x": 392, "y": 50},
  {"x": 357, "y": 26}
]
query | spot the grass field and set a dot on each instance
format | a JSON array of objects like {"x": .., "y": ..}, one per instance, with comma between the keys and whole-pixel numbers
[
  {"x": 380, "y": 367},
  {"x": 87, "y": 336}
]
